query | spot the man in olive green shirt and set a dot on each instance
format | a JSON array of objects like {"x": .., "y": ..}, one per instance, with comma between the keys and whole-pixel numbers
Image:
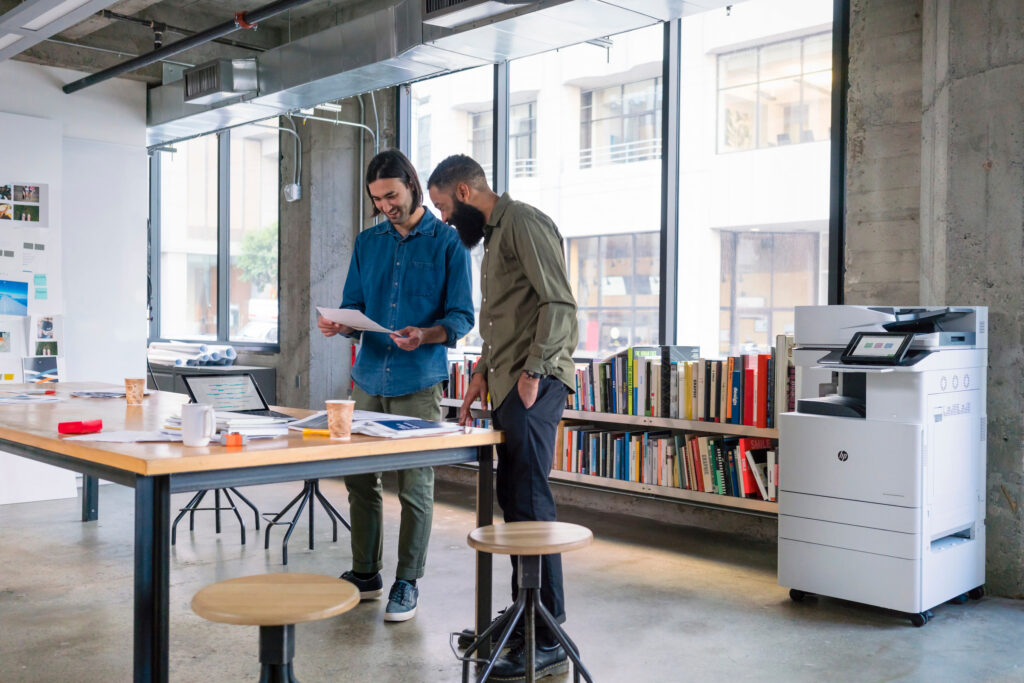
[{"x": 529, "y": 330}]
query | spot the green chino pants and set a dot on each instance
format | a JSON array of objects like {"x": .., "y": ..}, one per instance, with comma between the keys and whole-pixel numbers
[{"x": 415, "y": 491}]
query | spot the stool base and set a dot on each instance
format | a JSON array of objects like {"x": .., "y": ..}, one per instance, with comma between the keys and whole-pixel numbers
[
  {"x": 310, "y": 494},
  {"x": 193, "y": 505},
  {"x": 527, "y": 605},
  {"x": 277, "y": 650}
]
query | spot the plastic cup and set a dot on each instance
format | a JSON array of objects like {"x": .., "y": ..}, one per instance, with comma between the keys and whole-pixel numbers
[
  {"x": 339, "y": 418},
  {"x": 134, "y": 390}
]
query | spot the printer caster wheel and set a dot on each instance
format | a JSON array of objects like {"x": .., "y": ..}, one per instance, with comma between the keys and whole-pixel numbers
[
  {"x": 921, "y": 618},
  {"x": 976, "y": 593},
  {"x": 958, "y": 600},
  {"x": 797, "y": 595}
]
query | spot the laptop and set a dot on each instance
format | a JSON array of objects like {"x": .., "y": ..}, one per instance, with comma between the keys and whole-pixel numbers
[{"x": 230, "y": 393}]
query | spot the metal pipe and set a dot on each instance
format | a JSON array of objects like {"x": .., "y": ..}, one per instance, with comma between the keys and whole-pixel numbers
[
  {"x": 362, "y": 164},
  {"x": 376, "y": 138},
  {"x": 159, "y": 25},
  {"x": 241, "y": 20},
  {"x": 310, "y": 117}
]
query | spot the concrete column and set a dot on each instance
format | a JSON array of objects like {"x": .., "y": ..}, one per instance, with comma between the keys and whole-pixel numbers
[
  {"x": 317, "y": 234},
  {"x": 883, "y": 194},
  {"x": 973, "y": 226}
]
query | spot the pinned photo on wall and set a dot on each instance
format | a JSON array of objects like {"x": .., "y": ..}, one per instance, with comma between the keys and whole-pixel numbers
[
  {"x": 6, "y": 212},
  {"x": 40, "y": 369},
  {"x": 26, "y": 193},
  {"x": 44, "y": 327},
  {"x": 26, "y": 213},
  {"x": 46, "y": 348},
  {"x": 13, "y": 297},
  {"x": 28, "y": 203},
  {"x": 12, "y": 334}
]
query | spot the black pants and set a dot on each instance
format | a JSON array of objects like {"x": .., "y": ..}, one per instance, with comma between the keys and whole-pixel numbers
[{"x": 524, "y": 461}]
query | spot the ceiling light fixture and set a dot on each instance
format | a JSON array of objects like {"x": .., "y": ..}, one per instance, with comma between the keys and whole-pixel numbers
[
  {"x": 53, "y": 14},
  {"x": 33, "y": 21}
]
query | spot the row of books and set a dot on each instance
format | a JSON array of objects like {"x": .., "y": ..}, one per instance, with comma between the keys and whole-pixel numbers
[
  {"x": 729, "y": 466},
  {"x": 674, "y": 382}
]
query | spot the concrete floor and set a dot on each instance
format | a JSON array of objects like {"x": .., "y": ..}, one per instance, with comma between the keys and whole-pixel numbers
[{"x": 646, "y": 602}]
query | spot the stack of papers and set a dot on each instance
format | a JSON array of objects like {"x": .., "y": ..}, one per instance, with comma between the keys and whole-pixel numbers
[
  {"x": 253, "y": 426},
  {"x": 8, "y": 399},
  {"x": 125, "y": 436}
]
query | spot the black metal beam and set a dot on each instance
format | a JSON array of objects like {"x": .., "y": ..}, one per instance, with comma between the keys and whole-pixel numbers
[
  {"x": 670, "y": 131},
  {"x": 241, "y": 20},
  {"x": 837, "y": 173}
]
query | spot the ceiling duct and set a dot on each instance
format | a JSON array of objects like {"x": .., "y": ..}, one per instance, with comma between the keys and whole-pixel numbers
[{"x": 395, "y": 45}]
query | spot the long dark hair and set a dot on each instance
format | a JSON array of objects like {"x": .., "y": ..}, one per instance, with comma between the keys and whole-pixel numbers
[{"x": 393, "y": 164}]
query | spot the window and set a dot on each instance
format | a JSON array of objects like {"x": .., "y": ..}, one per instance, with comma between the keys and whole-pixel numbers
[
  {"x": 593, "y": 109},
  {"x": 522, "y": 138},
  {"x": 753, "y": 228},
  {"x": 188, "y": 240},
  {"x": 189, "y": 226},
  {"x": 617, "y": 285},
  {"x": 253, "y": 242},
  {"x": 454, "y": 113},
  {"x": 482, "y": 141},
  {"x": 764, "y": 275},
  {"x": 620, "y": 123},
  {"x": 776, "y": 94}
]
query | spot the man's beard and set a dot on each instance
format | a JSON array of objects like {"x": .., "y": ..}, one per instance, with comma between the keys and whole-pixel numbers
[{"x": 469, "y": 222}]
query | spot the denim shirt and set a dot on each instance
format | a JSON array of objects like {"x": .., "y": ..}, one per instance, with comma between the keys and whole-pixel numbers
[{"x": 422, "y": 280}]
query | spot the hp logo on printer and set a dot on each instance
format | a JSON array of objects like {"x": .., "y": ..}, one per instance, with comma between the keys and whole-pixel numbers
[{"x": 843, "y": 456}]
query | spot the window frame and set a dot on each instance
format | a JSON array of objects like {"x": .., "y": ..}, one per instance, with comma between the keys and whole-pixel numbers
[
  {"x": 223, "y": 249},
  {"x": 670, "y": 126}
]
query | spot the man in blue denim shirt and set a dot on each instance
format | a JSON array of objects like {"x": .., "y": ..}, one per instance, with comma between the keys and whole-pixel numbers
[{"x": 409, "y": 273}]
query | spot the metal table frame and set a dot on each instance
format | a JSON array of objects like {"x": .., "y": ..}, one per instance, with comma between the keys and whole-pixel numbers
[{"x": 153, "y": 519}]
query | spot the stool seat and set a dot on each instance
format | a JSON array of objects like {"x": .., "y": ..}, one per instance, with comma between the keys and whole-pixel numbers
[
  {"x": 275, "y": 599},
  {"x": 530, "y": 538}
]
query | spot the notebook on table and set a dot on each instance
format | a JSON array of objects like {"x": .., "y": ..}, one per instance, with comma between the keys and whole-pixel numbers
[{"x": 230, "y": 393}]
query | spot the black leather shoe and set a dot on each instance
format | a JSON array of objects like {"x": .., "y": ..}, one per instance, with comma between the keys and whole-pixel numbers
[
  {"x": 468, "y": 635},
  {"x": 550, "y": 661}
]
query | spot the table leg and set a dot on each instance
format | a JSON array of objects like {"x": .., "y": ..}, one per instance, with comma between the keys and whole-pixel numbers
[
  {"x": 152, "y": 571},
  {"x": 484, "y": 517},
  {"x": 90, "y": 498}
]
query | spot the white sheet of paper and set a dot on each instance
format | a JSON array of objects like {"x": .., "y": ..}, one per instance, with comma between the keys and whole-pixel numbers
[
  {"x": 352, "y": 318},
  {"x": 124, "y": 437}
]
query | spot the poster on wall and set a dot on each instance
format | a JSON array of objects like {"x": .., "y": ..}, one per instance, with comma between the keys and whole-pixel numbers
[
  {"x": 41, "y": 369},
  {"x": 10, "y": 369},
  {"x": 25, "y": 204},
  {"x": 13, "y": 297},
  {"x": 12, "y": 338}
]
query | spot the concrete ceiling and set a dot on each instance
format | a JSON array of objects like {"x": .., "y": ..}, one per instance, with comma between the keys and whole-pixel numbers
[{"x": 100, "y": 42}]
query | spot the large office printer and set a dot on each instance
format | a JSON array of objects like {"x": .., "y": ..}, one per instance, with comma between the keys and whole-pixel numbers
[{"x": 882, "y": 466}]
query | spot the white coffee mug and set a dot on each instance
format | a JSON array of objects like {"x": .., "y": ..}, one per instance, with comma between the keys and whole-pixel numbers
[{"x": 198, "y": 424}]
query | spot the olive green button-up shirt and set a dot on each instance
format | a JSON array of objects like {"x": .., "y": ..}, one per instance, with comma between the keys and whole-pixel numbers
[{"x": 527, "y": 310}]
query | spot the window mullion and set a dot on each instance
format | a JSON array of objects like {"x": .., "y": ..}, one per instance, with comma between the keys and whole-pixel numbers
[{"x": 223, "y": 235}]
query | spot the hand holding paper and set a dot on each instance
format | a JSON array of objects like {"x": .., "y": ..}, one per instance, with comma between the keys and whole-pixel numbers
[{"x": 351, "y": 318}]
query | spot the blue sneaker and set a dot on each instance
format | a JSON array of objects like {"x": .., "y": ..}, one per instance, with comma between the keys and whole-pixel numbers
[
  {"x": 401, "y": 601},
  {"x": 369, "y": 589}
]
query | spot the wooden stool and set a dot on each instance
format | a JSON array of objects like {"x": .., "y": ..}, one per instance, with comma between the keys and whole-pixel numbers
[
  {"x": 528, "y": 541},
  {"x": 275, "y": 603}
]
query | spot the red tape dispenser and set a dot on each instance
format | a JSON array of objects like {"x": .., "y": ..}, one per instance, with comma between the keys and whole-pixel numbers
[{"x": 83, "y": 427}]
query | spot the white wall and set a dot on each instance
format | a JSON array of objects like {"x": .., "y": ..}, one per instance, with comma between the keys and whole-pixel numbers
[{"x": 99, "y": 203}]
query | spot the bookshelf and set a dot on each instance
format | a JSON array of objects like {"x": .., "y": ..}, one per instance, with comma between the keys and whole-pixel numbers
[{"x": 669, "y": 493}]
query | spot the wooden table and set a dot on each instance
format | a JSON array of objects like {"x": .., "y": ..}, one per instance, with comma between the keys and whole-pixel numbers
[{"x": 156, "y": 470}]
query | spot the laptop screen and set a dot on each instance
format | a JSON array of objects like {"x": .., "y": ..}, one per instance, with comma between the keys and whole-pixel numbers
[{"x": 226, "y": 392}]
